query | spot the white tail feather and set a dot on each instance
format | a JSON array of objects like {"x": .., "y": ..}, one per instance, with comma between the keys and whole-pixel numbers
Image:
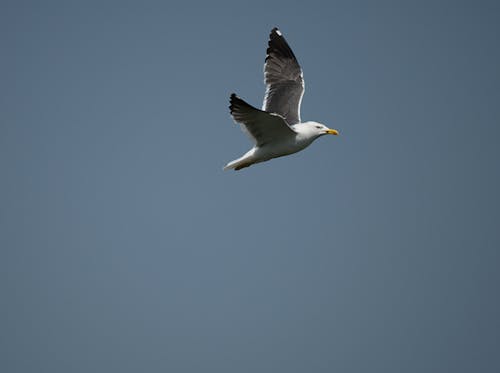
[{"x": 241, "y": 162}]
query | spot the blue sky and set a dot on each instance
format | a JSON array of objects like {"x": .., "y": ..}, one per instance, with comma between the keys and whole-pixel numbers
[{"x": 125, "y": 247}]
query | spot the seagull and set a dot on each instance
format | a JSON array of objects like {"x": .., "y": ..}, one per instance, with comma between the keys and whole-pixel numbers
[{"x": 276, "y": 130}]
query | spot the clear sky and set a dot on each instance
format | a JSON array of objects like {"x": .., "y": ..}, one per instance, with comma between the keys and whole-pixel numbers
[{"x": 124, "y": 247}]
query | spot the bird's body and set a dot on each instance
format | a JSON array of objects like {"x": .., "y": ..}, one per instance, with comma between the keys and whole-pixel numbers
[
  {"x": 276, "y": 129},
  {"x": 294, "y": 143}
]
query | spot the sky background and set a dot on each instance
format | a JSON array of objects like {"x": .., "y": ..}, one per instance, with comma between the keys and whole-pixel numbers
[{"x": 124, "y": 247}]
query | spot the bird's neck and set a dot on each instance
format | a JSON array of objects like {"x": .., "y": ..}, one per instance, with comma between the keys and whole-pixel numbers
[{"x": 304, "y": 135}]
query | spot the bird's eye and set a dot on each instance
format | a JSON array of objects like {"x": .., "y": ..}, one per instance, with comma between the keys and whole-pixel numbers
[{"x": 318, "y": 127}]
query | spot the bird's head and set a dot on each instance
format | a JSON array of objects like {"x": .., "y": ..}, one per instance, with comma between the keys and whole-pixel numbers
[{"x": 317, "y": 129}]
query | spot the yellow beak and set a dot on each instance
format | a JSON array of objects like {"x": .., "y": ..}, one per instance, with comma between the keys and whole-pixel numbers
[{"x": 332, "y": 132}]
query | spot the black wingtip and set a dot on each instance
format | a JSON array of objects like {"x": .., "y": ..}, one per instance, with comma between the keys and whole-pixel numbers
[
  {"x": 237, "y": 104},
  {"x": 234, "y": 102},
  {"x": 232, "y": 98},
  {"x": 275, "y": 33},
  {"x": 277, "y": 45}
]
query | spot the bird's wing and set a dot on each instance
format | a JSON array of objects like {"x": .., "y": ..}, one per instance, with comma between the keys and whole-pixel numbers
[
  {"x": 283, "y": 78},
  {"x": 262, "y": 127}
]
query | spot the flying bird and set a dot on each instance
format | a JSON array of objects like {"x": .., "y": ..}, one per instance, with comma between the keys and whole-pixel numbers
[{"x": 276, "y": 130}]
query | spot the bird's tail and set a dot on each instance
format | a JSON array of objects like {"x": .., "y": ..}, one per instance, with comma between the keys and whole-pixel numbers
[{"x": 239, "y": 163}]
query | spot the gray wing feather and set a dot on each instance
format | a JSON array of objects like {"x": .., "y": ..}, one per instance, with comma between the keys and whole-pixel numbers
[
  {"x": 262, "y": 127},
  {"x": 283, "y": 78}
]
